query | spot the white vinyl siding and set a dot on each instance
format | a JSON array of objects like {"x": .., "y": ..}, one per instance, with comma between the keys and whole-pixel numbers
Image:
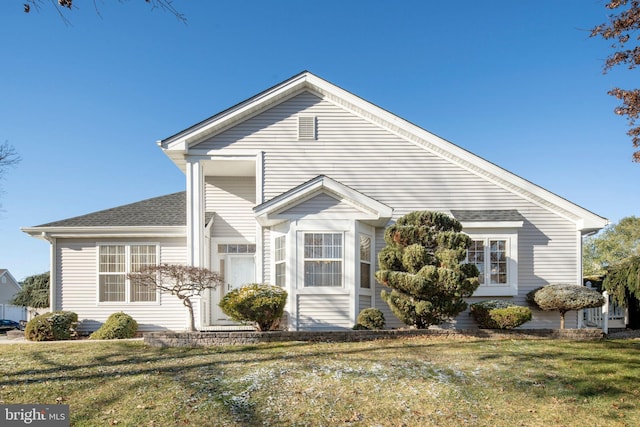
[
  {"x": 313, "y": 314},
  {"x": 322, "y": 206},
  {"x": 365, "y": 302},
  {"x": 400, "y": 174},
  {"x": 232, "y": 199},
  {"x": 77, "y": 281}
]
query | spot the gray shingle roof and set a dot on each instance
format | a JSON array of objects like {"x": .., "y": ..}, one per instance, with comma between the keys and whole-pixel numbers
[
  {"x": 487, "y": 215},
  {"x": 169, "y": 210}
]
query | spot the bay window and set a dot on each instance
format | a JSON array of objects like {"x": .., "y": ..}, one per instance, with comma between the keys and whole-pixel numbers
[
  {"x": 365, "y": 261},
  {"x": 323, "y": 259},
  {"x": 280, "y": 261}
]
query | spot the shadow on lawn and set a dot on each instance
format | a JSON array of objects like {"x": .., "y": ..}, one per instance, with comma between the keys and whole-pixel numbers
[{"x": 584, "y": 369}]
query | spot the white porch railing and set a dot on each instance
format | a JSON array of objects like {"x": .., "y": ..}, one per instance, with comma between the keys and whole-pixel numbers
[{"x": 610, "y": 315}]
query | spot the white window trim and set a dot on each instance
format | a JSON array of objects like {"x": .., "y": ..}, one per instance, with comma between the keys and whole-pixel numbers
[
  {"x": 216, "y": 256},
  {"x": 127, "y": 282},
  {"x": 511, "y": 238},
  {"x": 286, "y": 261},
  {"x": 342, "y": 258},
  {"x": 370, "y": 261}
]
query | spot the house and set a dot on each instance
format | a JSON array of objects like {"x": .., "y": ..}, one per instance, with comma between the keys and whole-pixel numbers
[
  {"x": 9, "y": 286},
  {"x": 295, "y": 187}
]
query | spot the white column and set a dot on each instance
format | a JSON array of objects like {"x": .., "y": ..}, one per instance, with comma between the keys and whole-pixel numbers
[
  {"x": 195, "y": 213},
  {"x": 260, "y": 243}
]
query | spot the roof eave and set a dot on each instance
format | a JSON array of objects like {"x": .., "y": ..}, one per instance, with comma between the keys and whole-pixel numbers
[
  {"x": 373, "y": 212},
  {"x": 47, "y": 233},
  {"x": 181, "y": 141}
]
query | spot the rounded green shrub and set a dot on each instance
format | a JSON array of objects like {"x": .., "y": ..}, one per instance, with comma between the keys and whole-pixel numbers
[
  {"x": 118, "y": 326},
  {"x": 54, "y": 326},
  {"x": 497, "y": 314},
  {"x": 259, "y": 303},
  {"x": 370, "y": 318},
  {"x": 565, "y": 297}
]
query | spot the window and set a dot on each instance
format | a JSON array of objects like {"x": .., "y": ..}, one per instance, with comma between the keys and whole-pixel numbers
[
  {"x": 142, "y": 256},
  {"x": 232, "y": 249},
  {"x": 495, "y": 256},
  {"x": 114, "y": 263},
  {"x": 237, "y": 248},
  {"x": 323, "y": 259},
  {"x": 490, "y": 256},
  {"x": 280, "y": 261},
  {"x": 365, "y": 261}
]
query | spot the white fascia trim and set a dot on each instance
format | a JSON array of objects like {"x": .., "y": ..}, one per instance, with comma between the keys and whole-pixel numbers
[
  {"x": 202, "y": 154},
  {"x": 47, "y": 233},
  {"x": 183, "y": 141},
  {"x": 491, "y": 224},
  {"x": 268, "y": 214}
]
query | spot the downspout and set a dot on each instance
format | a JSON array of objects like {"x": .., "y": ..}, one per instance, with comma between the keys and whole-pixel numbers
[{"x": 53, "y": 273}]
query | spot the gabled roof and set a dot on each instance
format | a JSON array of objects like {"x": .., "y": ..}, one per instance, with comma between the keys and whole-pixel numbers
[
  {"x": 185, "y": 143},
  {"x": 12, "y": 280},
  {"x": 164, "y": 213},
  {"x": 372, "y": 211}
]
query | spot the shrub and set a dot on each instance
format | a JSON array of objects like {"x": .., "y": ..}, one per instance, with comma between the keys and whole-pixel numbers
[
  {"x": 259, "y": 303},
  {"x": 497, "y": 314},
  {"x": 54, "y": 326},
  {"x": 564, "y": 297},
  {"x": 423, "y": 265},
  {"x": 370, "y": 318},
  {"x": 118, "y": 326}
]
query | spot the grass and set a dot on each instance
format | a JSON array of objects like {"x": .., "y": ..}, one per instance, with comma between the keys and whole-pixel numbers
[{"x": 403, "y": 382}]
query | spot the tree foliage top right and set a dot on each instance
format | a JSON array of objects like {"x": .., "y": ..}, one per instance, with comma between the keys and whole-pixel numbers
[
  {"x": 423, "y": 264},
  {"x": 622, "y": 30}
]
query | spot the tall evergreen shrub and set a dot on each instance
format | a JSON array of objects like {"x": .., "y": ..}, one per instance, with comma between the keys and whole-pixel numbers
[{"x": 423, "y": 264}]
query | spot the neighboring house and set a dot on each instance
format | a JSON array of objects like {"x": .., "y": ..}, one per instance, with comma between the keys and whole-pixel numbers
[
  {"x": 9, "y": 286},
  {"x": 295, "y": 187}
]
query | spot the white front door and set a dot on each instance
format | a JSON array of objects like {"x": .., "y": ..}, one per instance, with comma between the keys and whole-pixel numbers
[{"x": 239, "y": 270}]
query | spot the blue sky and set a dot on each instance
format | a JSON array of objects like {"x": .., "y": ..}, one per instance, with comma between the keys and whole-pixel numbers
[{"x": 518, "y": 83}]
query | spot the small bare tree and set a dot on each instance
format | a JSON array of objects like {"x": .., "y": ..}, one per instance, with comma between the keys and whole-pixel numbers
[
  {"x": 8, "y": 157},
  {"x": 183, "y": 281}
]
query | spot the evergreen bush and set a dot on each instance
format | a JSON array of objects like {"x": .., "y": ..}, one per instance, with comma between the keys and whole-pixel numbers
[
  {"x": 497, "y": 314},
  {"x": 118, "y": 326},
  {"x": 370, "y": 318},
  {"x": 565, "y": 297},
  {"x": 423, "y": 264},
  {"x": 259, "y": 303},
  {"x": 53, "y": 326}
]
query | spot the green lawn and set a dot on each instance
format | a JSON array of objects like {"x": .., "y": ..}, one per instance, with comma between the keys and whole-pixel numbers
[{"x": 403, "y": 382}]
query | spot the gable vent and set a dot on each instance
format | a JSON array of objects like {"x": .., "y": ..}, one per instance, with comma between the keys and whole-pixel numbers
[{"x": 306, "y": 127}]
